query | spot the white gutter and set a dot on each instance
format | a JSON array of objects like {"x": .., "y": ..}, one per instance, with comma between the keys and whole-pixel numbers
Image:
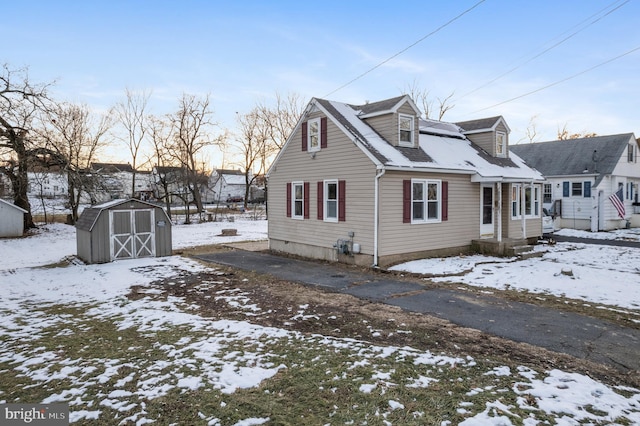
[
  {"x": 429, "y": 170},
  {"x": 376, "y": 214}
]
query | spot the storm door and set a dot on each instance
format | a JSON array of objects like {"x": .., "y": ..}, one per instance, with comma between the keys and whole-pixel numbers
[
  {"x": 486, "y": 211},
  {"x": 132, "y": 234}
]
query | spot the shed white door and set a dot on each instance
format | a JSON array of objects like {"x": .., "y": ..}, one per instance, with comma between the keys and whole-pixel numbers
[
  {"x": 486, "y": 211},
  {"x": 132, "y": 234}
]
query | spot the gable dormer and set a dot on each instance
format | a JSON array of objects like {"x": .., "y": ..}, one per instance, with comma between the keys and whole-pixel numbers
[
  {"x": 395, "y": 119},
  {"x": 490, "y": 134}
]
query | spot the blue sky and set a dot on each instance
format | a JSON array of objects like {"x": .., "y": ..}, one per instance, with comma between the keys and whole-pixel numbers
[{"x": 243, "y": 52}]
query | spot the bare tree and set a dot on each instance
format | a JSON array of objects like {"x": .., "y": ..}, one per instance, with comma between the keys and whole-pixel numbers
[
  {"x": 531, "y": 132},
  {"x": 256, "y": 146},
  {"x": 131, "y": 115},
  {"x": 564, "y": 134},
  {"x": 20, "y": 103},
  {"x": 77, "y": 135},
  {"x": 190, "y": 129},
  {"x": 422, "y": 98},
  {"x": 161, "y": 140},
  {"x": 281, "y": 118}
]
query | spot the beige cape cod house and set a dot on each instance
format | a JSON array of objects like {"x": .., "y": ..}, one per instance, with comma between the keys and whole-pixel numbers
[{"x": 375, "y": 184}]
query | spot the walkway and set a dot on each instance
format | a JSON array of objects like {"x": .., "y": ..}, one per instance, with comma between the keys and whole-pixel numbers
[{"x": 577, "y": 335}]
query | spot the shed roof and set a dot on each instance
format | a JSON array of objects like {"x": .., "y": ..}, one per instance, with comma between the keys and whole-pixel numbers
[
  {"x": 20, "y": 209},
  {"x": 598, "y": 155},
  {"x": 89, "y": 216}
]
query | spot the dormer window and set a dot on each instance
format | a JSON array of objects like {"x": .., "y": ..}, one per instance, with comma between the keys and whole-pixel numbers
[
  {"x": 501, "y": 144},
  {"x": 406, "y": 128}
]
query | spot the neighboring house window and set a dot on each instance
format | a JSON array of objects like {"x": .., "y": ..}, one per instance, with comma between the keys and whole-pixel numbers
[
  {"x": 405, "y": 128},
  {"x": 298, "y": 200},
  {"x": 501, "y": 144},
  {"x": 631, "y": 157},
  {"x": 314, "y": 134},
  {"x": 576, "y": 189},
  {"x": 331, "y": 200},
  {"x": 547, "y": 193}
]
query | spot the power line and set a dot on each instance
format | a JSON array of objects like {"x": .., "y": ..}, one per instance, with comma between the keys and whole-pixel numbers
[
  {"x": 560, "y": 81},
  {"x": 406, "y": 48},
  {"x": 520, "y": 65}
]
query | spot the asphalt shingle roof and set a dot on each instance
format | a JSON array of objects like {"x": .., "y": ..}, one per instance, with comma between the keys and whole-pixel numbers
[{"x": 599, "y": 154}]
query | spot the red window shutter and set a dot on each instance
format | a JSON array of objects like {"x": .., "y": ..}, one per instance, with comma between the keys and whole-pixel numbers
[
  {"x": 304, "y": 136},
  {"x": 406, "y": 201},
  {"x": 342, "y": 200},
  {"x": 289, "y": 199},
  {"x": 320, "y": 200},
  {"x": 445, "y": 200},
  {"x": 323, "y": 132},
  {"x": 306, "y": 200}
]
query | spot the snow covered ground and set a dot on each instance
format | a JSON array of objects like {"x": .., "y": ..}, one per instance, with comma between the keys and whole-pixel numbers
[{"x": 31, "y": 294}]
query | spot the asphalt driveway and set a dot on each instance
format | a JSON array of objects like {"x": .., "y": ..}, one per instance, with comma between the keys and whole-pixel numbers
[{"x": 577, "y": 335}]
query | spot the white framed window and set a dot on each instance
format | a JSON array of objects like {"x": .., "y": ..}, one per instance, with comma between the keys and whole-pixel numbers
[
  {"x": 547, "y": 193},
  {"x": 631, "y": 153},
  {"x": 297, "y": 200},
  {"x": 313, "y": 135},
  {"x": 405, "y": 130},
  {"x": 426, "y": 198},
  {"x": 531, "y": 205},
  {"x": 501, "y": 144},
  {"x": 331, "y": 200},
  {"x": 576, "y": 189}
]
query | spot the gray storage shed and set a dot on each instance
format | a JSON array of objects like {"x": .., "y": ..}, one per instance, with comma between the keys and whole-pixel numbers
[
  {"x": 123, "y": 229},
  {"x": 11, "y": 220}
]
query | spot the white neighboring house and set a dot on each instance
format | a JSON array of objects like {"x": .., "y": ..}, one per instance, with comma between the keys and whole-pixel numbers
[
  {"x": 11, "y": 220},
  {"x": 47, "y": 184},
  {"x": 581, "y": 176},
  {"x": 228, "y": 185}
]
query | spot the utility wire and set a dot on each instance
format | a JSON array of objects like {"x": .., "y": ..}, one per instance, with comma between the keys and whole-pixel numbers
[
  {"x": 520, "y": 65},
  {"x": 406, "y": 48},
  {"x": 560, "y": 81}
]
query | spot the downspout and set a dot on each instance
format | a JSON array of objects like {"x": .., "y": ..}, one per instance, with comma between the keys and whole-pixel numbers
[
  {"x": 376, "y": 215},
  {"x": 499, "y": 210},
  {"x": 523, "y": 210}
]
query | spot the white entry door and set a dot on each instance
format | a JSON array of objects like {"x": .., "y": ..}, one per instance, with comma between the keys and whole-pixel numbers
[
  {"x": 132, "y": 234},
  {"x": 486, "y": 211}
]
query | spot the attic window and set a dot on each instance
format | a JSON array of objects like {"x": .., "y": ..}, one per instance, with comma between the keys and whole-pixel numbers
[
  {"x": 501, "y": 144},
  {"x": 313, "y": 136},
  {"x": 405, "y": 128}
]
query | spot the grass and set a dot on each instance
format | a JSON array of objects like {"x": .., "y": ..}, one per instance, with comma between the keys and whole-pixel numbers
[{"x": 339, "y": 363}]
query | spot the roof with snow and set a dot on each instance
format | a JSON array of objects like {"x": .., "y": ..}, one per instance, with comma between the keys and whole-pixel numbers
[
  {"x": 13, "y": 206},
  {"x": 442, "y": 146},
  {"x": 596, "y": 155},
  {"x": 89, "y": 216}
]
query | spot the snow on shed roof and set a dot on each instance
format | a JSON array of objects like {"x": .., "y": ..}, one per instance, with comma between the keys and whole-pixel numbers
[
  {"x": 443, "y": 147},
  {"x": 88, "y": 218},
  {"x": 12, "y": 205}
]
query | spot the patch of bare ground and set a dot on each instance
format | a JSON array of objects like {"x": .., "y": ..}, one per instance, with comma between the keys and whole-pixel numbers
[{"x": 309, "y": 310}]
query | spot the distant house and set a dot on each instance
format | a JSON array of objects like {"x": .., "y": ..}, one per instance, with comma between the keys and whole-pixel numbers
[
  {"x": 113, "y": 180},
  {"x": 581, "y": 176},
  {"x": 11, "y": 220},
  {"x": 230, "y": 185},
  {"x": 374, "y": 184}
]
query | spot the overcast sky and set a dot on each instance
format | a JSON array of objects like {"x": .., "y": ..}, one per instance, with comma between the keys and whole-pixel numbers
[{"x": 242, "y": 52}]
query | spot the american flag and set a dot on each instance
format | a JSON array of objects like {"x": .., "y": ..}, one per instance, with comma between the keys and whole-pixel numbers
[{"x": 618, "y": 202}]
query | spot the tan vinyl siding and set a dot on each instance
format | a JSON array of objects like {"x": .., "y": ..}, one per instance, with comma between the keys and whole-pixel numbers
[
  {"x": 341, "y": 160},
  {"x": 486, "y": 141},
  {"x": 512, "y": 227},
  {"x": 387, "y": 125},
  {"x": 462, "y": 226}
]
